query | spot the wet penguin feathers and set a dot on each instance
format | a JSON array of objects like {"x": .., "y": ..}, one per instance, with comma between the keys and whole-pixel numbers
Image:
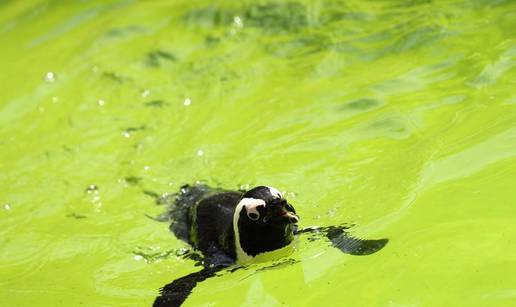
[{"x": 232, "y": 223}]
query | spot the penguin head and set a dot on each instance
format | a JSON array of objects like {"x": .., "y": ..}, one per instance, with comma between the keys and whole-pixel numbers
[
  {"x": 265, "y": 206},
  {"x": 263, "y": 221}
]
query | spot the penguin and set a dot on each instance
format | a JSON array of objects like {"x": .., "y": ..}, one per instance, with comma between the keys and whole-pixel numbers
[{"x": 229, "y": 227}]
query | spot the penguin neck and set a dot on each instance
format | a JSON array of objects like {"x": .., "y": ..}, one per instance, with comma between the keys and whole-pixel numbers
[
  {"x": 251, "y": 240},
  {"x": 241, "y": 255},
  {"x": 257, "y": 239}
]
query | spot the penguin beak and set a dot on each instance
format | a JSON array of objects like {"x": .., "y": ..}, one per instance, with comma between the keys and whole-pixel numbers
[
  {"x": 293, "y": 218},
  {"x": 280, "y": 214}
]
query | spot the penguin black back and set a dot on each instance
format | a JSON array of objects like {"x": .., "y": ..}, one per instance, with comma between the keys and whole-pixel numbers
[{"x": 202, "y": 217}]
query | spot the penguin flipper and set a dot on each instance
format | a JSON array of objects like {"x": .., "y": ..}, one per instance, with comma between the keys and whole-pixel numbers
[
  {"x": 345, "y": 242},
  {"x": 351, "y": 245},
  {"x": 176, "y": 292}
]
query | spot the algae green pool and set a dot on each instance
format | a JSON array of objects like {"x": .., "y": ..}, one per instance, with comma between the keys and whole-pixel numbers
[{"x": 396, "y": 116}]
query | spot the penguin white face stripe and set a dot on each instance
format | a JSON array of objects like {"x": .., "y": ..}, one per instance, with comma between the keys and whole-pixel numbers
[
  {"x": 275, "y": 193},
  {"x": 250, "y": 204}
]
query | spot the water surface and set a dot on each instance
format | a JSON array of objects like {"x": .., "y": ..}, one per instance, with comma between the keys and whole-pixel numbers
[{"x": 396, "y": 116}]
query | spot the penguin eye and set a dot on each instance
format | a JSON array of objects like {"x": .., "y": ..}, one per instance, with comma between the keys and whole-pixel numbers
[{"x": 253, "y": 216}]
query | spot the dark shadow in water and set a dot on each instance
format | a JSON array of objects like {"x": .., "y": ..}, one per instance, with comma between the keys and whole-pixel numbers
[
  {"x": 176, "y": 292},
  {"x": 151, "y": 194},
  {"x": 125, "y": 31},
  {"x": 114, "y": 77},
  {"x": 156, "y": 104},
  {"x": 362, "y": 104},
  {"x": 133, "y": 180},
  {"x": 270, "y": 16},
  {"x": 157, "y": 57},
  {"x": 134, "y": 129},
  {"x": 76, "y": 216}
]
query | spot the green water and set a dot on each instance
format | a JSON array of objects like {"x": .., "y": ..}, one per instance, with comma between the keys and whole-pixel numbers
[{"x": 396, "y": 116}]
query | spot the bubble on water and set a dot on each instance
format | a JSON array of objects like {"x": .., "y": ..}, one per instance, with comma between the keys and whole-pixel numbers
[
  {"x": 92, "y": 189},
  {"x": 165, "y": 195},
  {"x": 182, "y": 251},
  {"x": 187, "y": 102},
  {"x": 94, "y": 195},
  {"x": 101, "y": 102},
  {"x": 237, "y": 25},
  {"x": 145, "y": 93},
  {"x": 146, "y": 168},
  {"x": 97, "y": 203},
  {"x": 126, "y": 134},
  {"x": 237, "y": 21},
  {"x": 95, "y": 69},
  {"x": 138, "y": 257},
  {"x": 55, "y": 99},
  {"x": 7, "y": 206},
  {"x": 50, "y": 77},
  {"x": 200, "y": 153},
  {"x": 332, "y": 212}
]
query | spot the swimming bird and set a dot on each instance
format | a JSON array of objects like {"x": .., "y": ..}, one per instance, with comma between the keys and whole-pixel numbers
[{"x": 230, "y": 227}]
